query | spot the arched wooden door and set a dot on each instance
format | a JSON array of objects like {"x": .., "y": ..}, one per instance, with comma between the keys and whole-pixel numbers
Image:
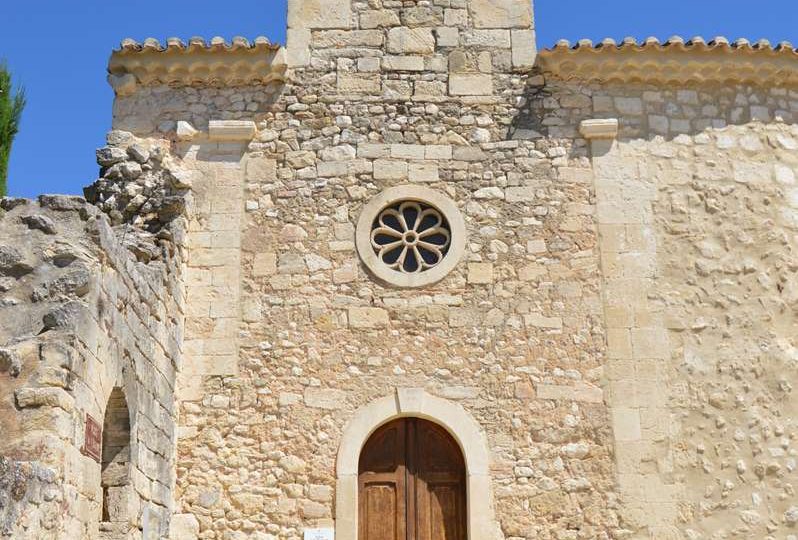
[{"x": 411, "y": 484}]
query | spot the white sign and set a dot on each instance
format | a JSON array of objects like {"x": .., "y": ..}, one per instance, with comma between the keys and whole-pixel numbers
[{"x": 319, "y": 534}]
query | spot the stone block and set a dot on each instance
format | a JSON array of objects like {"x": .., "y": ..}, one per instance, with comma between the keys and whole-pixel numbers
[
  {"x": 298, "y": 46},
  {"x": 629, "y": 105},
  {"x": 626, "y": 424},
  {"x": 480, "y": 273},
  {"x": 325, "y": 398},
  {"x": 368, "y": 64},
  {"x": 361, "y": 83},
  {"x": 261, "y": 170},
  {"x": 524, "y": 49},
  {"x": 338, "y": 39},
  {"x": 231, "y": 130},
  {"x": 532, "y": 272},
  {"x": 455, "y": 17},
  {"x": 403, "y": 40},
  {"x": 368, "y": 317},
  {"x": 429, "y": 90},
  {"x": 501, "y": 13},
  {"x": 390, "y": 169},
  {"x": 320, "y": 493},
  {"x": 619, "y": 343},
  {"x": 393, "y": 90},
  {"x": 423, "y": 172},
  {"x": 520, "y": 194},
  {"x": 438, "y": 151},
  {"x": 403, "y": 63},
  {"x": 345, "y": 274},
  {"x": 373, "y": 151},
  {"x": 447, "y": 36},
  {"x": 408, "y": 151},
  {"x": 379, "y": 18},
  {"x": 499, "y": 39},
  {"x": 316, "y": 14},
  {"x": 537, "y": 320},
  {"x": 470, "y": 84},
  {"x": 44, "y": 397},
  {"x": 422, "y": 16},
  {"x": 343, "y": 168}
]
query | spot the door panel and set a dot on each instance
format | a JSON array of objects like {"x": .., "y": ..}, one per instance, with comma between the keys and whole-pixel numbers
[
  {"x": 382, "y": 485},
  {"x": 381, "y": 501},
  {"x": 412, "y": 484},
  {"x": 444, "y": 511},
  {"x": 440, "y": 484}
]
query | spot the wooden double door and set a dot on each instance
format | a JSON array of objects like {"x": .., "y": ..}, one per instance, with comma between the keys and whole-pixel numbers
[{"x": 412, "y": 484}]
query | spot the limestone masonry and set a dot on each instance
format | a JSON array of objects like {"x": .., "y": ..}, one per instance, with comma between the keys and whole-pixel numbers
[{"x": 581, "y": 263}]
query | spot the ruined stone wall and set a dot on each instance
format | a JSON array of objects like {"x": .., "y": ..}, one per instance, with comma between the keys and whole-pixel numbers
[{"x": 79, "y": 316}]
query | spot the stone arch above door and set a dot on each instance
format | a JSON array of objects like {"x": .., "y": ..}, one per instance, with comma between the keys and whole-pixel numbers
[{"x": 415, "y": 402}]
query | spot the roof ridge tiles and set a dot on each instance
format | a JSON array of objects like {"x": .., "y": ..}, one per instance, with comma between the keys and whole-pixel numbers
[
  {"x": 216, "y": 43},
  {"x": 651, "y": 42}
]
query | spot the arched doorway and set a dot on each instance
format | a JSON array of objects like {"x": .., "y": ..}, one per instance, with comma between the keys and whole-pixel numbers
[{"x": 412, "y": 484}]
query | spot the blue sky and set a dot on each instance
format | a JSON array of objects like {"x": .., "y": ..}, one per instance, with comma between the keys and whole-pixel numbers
[{"x": 59, "y": 51}]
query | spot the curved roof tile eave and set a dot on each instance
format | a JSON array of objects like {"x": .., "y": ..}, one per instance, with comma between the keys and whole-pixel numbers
[
  {"x": 238, "y": 62},
  {"x": 674, "y": 61}
]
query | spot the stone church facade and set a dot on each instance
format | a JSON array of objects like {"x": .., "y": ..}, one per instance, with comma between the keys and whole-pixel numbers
[{"x": 406, "y": 277}]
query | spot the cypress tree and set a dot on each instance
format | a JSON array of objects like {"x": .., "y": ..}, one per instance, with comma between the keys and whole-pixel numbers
[{"x": 11, "y": 105}]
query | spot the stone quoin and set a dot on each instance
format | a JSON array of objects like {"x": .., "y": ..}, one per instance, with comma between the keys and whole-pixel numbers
[{"x": 409, "y": 278}]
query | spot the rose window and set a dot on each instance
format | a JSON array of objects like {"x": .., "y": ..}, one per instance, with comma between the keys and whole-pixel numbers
[{"x": 410, "y": 237}]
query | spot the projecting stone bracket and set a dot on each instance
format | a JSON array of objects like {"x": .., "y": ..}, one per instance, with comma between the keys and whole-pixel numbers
[
  {"x": 601, "y": 133},
  {"x": 219, "y": 131},
  {"x": 605, "y": 128}
]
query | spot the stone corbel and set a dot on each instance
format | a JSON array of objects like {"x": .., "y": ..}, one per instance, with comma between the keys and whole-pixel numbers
[
  {"x": 232, "y": 130},
  {"x": 219, "y": 131},
  {"x": 605, "y": 128},
  {"x": 601, "y": 133}
]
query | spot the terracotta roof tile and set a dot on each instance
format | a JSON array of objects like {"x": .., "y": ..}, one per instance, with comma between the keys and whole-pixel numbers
[
  {"x": 217, "y": 61},
  {"x": 674, "y": 61}
]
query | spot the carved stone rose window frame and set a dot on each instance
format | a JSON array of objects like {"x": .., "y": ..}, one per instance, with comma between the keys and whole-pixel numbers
[{"x": 438, "y": 234}]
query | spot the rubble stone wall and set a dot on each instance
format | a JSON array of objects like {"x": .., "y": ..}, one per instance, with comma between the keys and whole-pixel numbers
[
  {"x": 699, "y": 259},
  {"x": 81, "y": 316},
  {"x": 399, "y": 94}
]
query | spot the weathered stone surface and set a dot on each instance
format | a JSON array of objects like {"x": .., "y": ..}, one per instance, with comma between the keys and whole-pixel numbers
[
  {"x": 320, "y": 14},
  {"x": 41, "y": 223},
  {"x": 501, "y": 13},
  {"x": 404, "y": 40},
  {"x": 368, "y": 318},
  {"x": 461, "y": 84},
  {"x": 321, "y": 398}
]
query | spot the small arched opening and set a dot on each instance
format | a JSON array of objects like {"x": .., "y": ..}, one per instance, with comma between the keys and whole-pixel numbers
[
  {"x": 412, "y": 484},
  {"x": 115, "y": 465}
]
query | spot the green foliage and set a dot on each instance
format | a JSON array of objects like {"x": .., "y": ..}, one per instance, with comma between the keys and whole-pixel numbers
[{"x": 10, "y": 112}]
